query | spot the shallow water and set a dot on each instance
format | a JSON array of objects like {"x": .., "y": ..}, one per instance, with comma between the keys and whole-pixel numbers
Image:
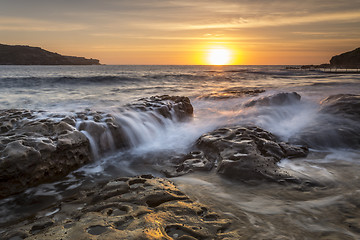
[{"x": 261, "y": 210}]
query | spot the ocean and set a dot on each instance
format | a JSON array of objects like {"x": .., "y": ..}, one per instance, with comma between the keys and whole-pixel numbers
[{"x": 219, "y": 95}]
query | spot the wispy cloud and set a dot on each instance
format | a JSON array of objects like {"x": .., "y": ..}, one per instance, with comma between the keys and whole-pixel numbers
[
  {"x": 280, "y": 21},
  {"x": 33, "y": 25}
]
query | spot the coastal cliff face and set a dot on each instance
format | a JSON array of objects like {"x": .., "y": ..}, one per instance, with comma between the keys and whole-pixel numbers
[
  {"x": 351, "y": 58},
  {"x": 26, "y": 55}
]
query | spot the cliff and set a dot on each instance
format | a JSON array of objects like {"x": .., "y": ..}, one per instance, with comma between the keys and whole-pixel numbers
[
  {"x": 26, "y": 55},
  {"x": 348, "y": 59}
]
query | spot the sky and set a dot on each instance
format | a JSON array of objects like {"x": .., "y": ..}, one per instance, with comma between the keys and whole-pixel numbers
[{"x": 257, "y": 32}]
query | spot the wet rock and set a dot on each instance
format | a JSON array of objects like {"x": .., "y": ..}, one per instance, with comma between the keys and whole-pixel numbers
[
  {"x": 277, "y": 99},
  {"x": 234, "y": 92},
  {"x": 119, "y": 131},
  {"x": 240, "y": 152},
  {"x": 155, "y": 209},
  {"x": 39, "y": 147},
  {"x": 345, "y": 105},
  {"x": 165, "y": 105},
  {"x": 337, "y": 124},
  {"x": 34, "y": 151},
  {"x": 193, "y": 161}
]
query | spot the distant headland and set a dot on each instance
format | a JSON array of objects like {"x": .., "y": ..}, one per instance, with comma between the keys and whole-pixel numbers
[
  {"x": 27, "y": 55},
  {"x": 347, "y": 60}
]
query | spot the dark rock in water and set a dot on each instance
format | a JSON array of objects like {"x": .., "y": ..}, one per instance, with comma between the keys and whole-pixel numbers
[
  {"x": 37, "y": 150},
  {"x": 165, "y": 104},
  {"x": 348, "y": 59},
  {"x": 244, "y": 153},
  {"x": 277, "y": 99},
  {"x": 26, "y": 55},
  {"x": 105, "y": 127},
  {"x": 142, "y": 207},
  {"x": 234, "y": 92},
  {"x": 34, "y": 151},
  {"x": 345, "y": 105},
  {"x": 337, "y": 125}
]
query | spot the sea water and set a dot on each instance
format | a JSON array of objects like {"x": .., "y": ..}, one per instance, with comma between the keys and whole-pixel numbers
[{"x": 266, "y": 210}]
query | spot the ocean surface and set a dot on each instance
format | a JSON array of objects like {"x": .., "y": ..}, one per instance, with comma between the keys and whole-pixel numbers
[{"x": 262, "y": 211}]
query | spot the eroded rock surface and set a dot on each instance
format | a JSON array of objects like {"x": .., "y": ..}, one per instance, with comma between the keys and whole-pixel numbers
[
  {"x": 244, "y": 153},
  {"x": 276, "y": 99},
  {"x": 166, "y": 105},
  {"x": 128, "y": 208},
  {"x": 36, "y": 147},
  {"x": 33, "y": 151}
]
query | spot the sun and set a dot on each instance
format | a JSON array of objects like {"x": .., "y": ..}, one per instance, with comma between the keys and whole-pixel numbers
[{"x": 219, "y": 56}]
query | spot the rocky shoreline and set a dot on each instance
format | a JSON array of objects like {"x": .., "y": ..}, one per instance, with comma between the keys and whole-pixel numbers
[
  {"x": 34, "y": 150},
  {"x": 142, "y": 207}
]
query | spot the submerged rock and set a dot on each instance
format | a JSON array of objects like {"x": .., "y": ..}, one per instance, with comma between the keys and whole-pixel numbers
[
  {"x": 234, "y": 92},
  {"x": 276, "y": 99},
  {"x": 337, "y": 124},
  {"x": 34, "y": 151},
  {"x": 128, "y": 208},
  {"x": 244, "y": 153},
  {"x": 345, "y": 105}
]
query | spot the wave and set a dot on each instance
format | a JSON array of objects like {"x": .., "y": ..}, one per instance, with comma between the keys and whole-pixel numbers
[
  {"x": 180, "y": 75},
  {"x": 67, "y": 80}
]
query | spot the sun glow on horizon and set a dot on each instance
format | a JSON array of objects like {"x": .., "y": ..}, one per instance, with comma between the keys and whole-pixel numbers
[{"x": 219, "y": 56}]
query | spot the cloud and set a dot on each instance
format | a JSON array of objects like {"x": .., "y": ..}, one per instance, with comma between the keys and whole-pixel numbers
[{"x": 32, "y": 25}]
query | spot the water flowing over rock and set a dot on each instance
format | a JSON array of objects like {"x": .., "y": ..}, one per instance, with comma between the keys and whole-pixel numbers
[
  {"x": 141, "y": 207},
  {"x": 244, "y": 153},
  {"x": 133, "y": 124},
  {"x": 276, "y": 99},
  {"x": 345, "y": 105},
  {"x": 36, "y": 149},
  {"x": 337, "y": 125},
  {"x": 33, "y": 151}
]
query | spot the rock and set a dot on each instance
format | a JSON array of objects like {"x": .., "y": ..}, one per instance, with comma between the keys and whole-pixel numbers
[
  {"x": 345, "y": 105},
  {"x": 34, "y": 151},
  {"x": 233, "y": 92},
  {"x": 193, "y": 161},
  {"x": 37, "y": 150},
  {"x": 277, "y": 99},
  {"x": 337, "y": 124},
  {"x": 348, "y": 59},
  {"x": 118, "y": 131},
  {"x": 26, "y": 55},
  {"x": 141, "y": 207},
  {"x": 244, "y": 153},
  {"x": 165, "y": 104}
]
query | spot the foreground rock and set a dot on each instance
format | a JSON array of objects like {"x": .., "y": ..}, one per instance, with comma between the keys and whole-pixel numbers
[
  {"x": 126, "y": 128},
  {"x": 128, "y": 208},
  {"x": 244, "y": 153},
  {"x": 34, "y": 151},
  {"x": 36, "y": 147},
  {"x": 337, "y": 125}
]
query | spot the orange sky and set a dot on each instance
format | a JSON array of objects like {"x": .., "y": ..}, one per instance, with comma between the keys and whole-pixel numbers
[{"x": 182, "y": 32}]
